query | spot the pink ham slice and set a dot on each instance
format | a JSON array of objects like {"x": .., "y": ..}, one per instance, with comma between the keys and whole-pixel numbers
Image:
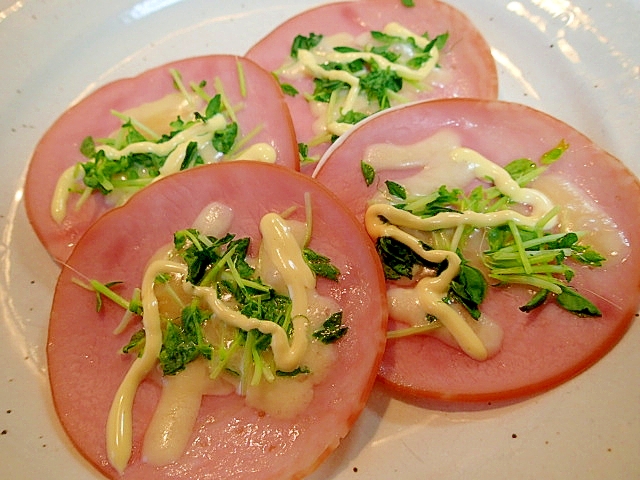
[
  {"x": 231, "y": 440},
  {"x": 546, "y": 347},
  {"x": 263, "y": 106},
  {"x": 466, "y": 57}
]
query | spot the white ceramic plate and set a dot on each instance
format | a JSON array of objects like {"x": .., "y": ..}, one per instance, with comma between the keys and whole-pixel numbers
[{"x": 578, "y": 60}]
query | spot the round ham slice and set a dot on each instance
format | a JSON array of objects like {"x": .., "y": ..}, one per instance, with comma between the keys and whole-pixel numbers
[
  {"x": 469, "y": 68},
  {"x": 262, "y": 106},
  {"x": 231, "y": 439},
  {"x": 547, "y": 346}
]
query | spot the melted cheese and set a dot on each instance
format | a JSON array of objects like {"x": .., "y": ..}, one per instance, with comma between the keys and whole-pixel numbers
[
  {"x": 158, "y": 114},
  {"x": 431, "y": 153},
  {"x": 259, "y": 152},
  {"x": 581, "y": 214},
  {"x": 214, "y": 220},
  {"x": 172, "y": 423}
]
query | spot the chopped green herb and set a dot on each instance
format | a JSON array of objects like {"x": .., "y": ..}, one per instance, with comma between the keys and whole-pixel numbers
[
  {"x": 368, "y": 172},
  {"x": 289, "y": 89},
  {"x": 293, "y": 373},
  {"x": 378, "y": 83},
  {"x": 344, "y": 49},
  {"x": 88, "y": 147},
  {"x": 320, "y": 265},
  {"x": 162, "y": 278},
  {"x": 520, "y": 168},
  {"x": 352, "y": 117},
  {"x": 185, "y": 341},
  {"x": 587, "y": 255},
  {"x": 257, "y": 300},
  {"x": 128, "y": 172},
  {"x": 191, "y": 157},
  {"x": 214, "y": 106},
  {"x": 301, "y": 42},
  {"x": 99, "y": 174},
  {"x": 555, "y": 153},
  {"x": 354, "y": 66},
  {"x": 377, "y": 70},
  {"x": 136, "y": 343},
  {"x": 221, "y": 263},
  {"x": 303, "y": 153},
  {"x": 573, "y": 302},
  {"x": 332, "y": 329},
  {"x": 203, "y": 253},
  {"x": 396, "y": 189},
  {"x": 536, "y": 301},
  {"x": 178, "y": 84},
  {"x": 106, "y": 289},
  {"x": 538, "y": 259},
  {"x": 469, "y": 288},
  {"x": 398, "y": 260},
  {"x": 224, "y": 139},
  {"x": 443, "y": 200},
  {"x": 324, "y": 88}
]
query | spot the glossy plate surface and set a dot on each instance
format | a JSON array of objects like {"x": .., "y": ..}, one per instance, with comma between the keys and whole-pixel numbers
[{"x": 575, "y": 59}]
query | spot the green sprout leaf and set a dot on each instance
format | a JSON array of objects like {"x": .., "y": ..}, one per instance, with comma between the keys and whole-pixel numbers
[{"x": 332, "y": 329}]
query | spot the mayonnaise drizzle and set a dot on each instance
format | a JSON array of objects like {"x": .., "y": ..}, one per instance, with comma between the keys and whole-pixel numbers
[
  {"x": 174, "y": 149},
  {"x": 286, "y": 356},
  {"x": 431, "y": 290},
  {"x": 284, "y": 251},
  {"x": 165, "y": 148},
  {"x": 486, "y": 169},
  {"x": 311, "y": 61},
  {"x": 177, "y": 410},
  {"x": 61, "y": 194},
  {"x": 384, "y": 220},
  {"x": 119, "y": 422}
]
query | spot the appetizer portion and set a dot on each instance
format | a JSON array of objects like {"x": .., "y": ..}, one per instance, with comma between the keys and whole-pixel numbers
[
  {"x": 339, "y": 63},
  {"x": 255, "y": 328},
  {"x": 510, "y": 244},
  {"x": 134, "y": 131}
]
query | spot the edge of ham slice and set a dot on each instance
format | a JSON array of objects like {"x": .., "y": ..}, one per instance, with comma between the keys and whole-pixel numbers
[
  {"x": 466, "y": 55},
  {"x": 59, "y": 147},
  {"x": 231, "y": 439},
  {"x": 549, "y": 345}
]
